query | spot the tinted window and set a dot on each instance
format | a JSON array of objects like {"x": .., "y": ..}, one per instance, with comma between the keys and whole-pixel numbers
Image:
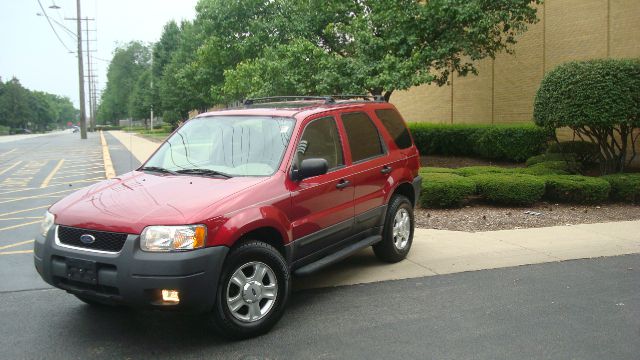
[
  {"x": 321, "y": 140},
  {"x": 392, "y": 121},
  {"x": 363, "y": 136}
]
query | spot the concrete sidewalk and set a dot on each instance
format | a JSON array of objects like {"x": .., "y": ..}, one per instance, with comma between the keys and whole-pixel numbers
[
  {"x": 140, "y": 147},
  {"x": 437, "y": 252},
  {"x": 444, "y": 252}
]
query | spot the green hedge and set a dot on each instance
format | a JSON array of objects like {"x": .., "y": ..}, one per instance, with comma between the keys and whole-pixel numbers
[
  {"x": 510, "y": 189},
  {"x": 582, "y": 151},
  {"x": 481, "y": 170},
  {"x": 576, "y": 189},
  {"x": 501, "y": 142},
  {"x": 624, "y": 187},
  {"x": 551, "y": 157},
  {"x": 437, "y": 170},
  {"x": 4, "y": 130},
  {"x": 445, "y": 190},
  {"x": 548, "y": 168}
]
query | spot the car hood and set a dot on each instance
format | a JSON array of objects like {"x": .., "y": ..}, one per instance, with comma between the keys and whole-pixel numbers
[{"x": 135, "y": 200}]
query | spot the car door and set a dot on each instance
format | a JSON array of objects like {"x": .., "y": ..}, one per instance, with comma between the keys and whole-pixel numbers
[
  {"x": 322, "y": 206},
  {"x": 372, "y": 165}
]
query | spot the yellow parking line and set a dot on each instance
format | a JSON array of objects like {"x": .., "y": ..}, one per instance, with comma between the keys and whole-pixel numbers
[
  {"x": 52, "y": 173},
  {"x": 21, "y": 218},
  {"x": 16, "y": 252},
  {"x": 16, "y": 244},
  {"x": 36, "y": 196},
  {"x": 24, "y": 210},
  {"x": 19, "y": 225},
  {"x": 109, "y": 172},
  {"x": 8, "y": 152},
  {"x": 10, "y": 167}
]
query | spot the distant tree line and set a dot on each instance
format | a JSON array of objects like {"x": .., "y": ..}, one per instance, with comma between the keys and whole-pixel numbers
[
  {"x": 21, "y": 108},
  {"x": 246, "y": 48}
]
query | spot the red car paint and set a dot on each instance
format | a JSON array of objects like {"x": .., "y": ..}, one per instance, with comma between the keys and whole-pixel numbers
[{"x": 233, "y": 207}]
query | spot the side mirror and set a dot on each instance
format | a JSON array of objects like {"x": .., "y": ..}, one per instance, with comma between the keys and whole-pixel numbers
[{"x": 309, "y": 168}]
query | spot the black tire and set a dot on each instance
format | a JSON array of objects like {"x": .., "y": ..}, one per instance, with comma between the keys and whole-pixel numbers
[
  {"x": 387, "y": 250},
  {"x": 251, "y": 251}
]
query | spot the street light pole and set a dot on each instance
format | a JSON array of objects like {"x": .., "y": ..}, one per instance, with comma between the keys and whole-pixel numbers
[{"x": 83, "y": 116}]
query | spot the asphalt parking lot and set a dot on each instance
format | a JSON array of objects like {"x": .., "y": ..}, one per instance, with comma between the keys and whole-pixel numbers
[{"x": 582, "y": 309}]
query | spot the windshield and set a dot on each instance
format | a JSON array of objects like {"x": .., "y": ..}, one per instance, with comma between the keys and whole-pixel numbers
[{"x": 231, "y": 145}]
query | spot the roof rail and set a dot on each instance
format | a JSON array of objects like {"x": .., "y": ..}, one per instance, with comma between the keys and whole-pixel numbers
[
  {"x": 329, "y": 99},
  {"x": 326, "y": 99}
]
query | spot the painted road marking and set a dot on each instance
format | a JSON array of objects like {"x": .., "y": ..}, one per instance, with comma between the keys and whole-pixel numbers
[
  {"x": 16, "y": 244},
  {"x": 17, "y": 252},
  {"x": 24, "y": 210},
  {"x": 21, "y": 218},
  {"x": 51, "y": 174},
  {"x": 36, "y": 196},
  {"x": 109, "y": 172},
  {"x": 8, "y": 152},
  {"x": 20, "y": 225},
  {"x": 10, "y": 167}
]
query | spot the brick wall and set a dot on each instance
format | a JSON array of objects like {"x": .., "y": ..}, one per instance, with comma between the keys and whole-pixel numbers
[{"x": 504, "y": 90}]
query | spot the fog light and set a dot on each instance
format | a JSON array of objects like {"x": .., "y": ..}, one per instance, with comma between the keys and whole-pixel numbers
[{"x": 170, "y": 296}]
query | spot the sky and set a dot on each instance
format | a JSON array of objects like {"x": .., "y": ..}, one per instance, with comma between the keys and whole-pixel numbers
[{"x": 30, "y": 51}]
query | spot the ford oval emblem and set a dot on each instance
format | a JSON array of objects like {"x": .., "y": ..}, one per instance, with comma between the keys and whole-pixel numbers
[{"x": 87, "y": 239}]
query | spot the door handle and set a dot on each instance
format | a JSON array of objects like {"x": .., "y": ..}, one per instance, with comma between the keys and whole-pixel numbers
[
  {"x": 343, "y": 184},
  {"x": 386, "y": 169}
]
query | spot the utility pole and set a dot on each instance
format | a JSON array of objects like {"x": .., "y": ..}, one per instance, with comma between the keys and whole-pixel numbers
[
  {"x": 152, "y": 97},
  {"x": 83, "y": 118},
  {"x": 92, "y": 124}
]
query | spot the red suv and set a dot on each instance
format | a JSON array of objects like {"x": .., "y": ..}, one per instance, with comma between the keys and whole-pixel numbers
[{"x": 232, "y": 204}]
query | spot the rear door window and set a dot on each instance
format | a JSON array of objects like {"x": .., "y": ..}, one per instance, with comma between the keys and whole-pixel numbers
[
  {"x": 363, "y": 136},
  {"x": 394, "y": 124}
]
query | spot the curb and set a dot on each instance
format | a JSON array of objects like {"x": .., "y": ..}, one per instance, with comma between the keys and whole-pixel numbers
[{"x": 109, "y": 172}]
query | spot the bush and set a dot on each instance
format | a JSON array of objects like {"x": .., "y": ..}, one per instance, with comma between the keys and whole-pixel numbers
[
  {"x": 582, "y": 151},
  {"x": 4, "y": 130},
  {"x": 480, "y": 170},
  {"x": 550, "y": 157},
  {"x": 576, "y": 189},
  {"x": 597, "y": 99},
  {"x": 445, "y": 190},
  {"x": 437, "y": 170},
  {"x": 549, "y": 168},
  {"x": 501, "y": 142},
  {"x": 624, "y": 187},
  {"x": 510, "y": 189}
]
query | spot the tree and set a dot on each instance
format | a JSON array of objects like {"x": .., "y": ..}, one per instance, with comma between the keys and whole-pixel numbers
[
  {"x": 600, "y": 101},
  {"x": 141, "y": 98},
  {"x": 128, "y": 64},
  {"x": 14, "y": 102},
  {"x": 383, "y": 46}
]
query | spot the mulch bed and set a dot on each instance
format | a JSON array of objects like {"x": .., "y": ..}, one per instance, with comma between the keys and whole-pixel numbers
[{"x": 480, "y": 217}]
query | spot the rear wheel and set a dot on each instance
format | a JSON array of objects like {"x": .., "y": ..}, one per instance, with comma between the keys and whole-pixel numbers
[
  {"x": 397, "y": 234},
  {"x": 253, "y": 291}
]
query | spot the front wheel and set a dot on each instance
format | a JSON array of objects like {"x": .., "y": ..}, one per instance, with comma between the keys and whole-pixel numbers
[
  {"x": 397, "y": 234},
  {"x": 253, "y": 291}
]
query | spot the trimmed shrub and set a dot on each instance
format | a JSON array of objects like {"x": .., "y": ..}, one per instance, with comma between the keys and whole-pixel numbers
[
  {"x": 624, "y": 187},
  {"x": 576, "y": 189},
  {"x": 597, "y": 99},
  {"x": 437, "y": 170},
  {"x": 480, "y": 170},
  {"x": 4, "y": 130},
  {"x": 550, "y": 157},
  {"x": 547, "y": 168},
  {"x": 445, "y": 190},
  {"x": 582, "y": 151},
  {"x": 501, "y": 142},
  {"x": 510, "y": 189}
]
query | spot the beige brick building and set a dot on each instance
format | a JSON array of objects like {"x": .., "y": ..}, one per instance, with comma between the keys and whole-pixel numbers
[{"x": 504, "y": 90}]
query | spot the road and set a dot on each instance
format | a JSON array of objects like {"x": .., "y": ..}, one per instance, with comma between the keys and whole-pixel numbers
[{"x": 583, "y": 309}]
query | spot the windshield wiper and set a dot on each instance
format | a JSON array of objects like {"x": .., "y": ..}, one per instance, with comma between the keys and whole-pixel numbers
[
  {"x": 159, "y": 169},
  {"x": 210, "y": 172}
]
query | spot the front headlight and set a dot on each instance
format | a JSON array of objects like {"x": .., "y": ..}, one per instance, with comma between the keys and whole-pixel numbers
[
  {"x": 47, "y": 223},
  {"x": 173, "y": 238}
]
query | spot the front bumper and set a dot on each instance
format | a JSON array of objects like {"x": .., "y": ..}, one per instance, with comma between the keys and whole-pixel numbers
[{"x": 134, "y": 277}]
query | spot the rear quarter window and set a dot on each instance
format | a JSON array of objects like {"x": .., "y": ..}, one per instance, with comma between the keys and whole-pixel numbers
[{"x": 394, "y": 124}]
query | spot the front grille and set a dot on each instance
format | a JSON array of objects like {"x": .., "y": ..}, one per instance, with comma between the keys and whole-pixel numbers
[{"x": 104, "y": 241}]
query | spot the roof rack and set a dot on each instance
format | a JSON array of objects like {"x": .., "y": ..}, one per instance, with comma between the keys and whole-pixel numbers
[{"x": 326, "y": 99}]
